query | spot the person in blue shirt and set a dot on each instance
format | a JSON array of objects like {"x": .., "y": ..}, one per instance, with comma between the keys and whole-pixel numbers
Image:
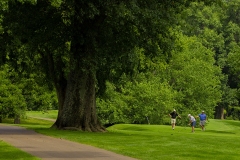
[{"x": 203, "y": 118}]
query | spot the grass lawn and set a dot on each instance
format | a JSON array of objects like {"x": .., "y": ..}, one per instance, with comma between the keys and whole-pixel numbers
[
  {"x": 11, "y": 153},
  {"x": 220, "y": 141},
  {"x": 51, "y": 114}
]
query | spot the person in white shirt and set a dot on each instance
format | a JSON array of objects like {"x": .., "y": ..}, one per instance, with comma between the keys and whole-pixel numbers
[{"x": 192, "y": 121}]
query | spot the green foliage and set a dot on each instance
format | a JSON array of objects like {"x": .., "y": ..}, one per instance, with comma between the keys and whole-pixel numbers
[
  {"x": 233, "y": 62},
  {"x": 116, "y": 27},
  {"x": 37, "y": 96},
  {"x": 233, "y": 113},
  {"x": 195, "y": 78},
  {"x": 144, "y": 100},
  {"x": 189, "y": 83},
  {"x": 217, "y": 28},
  {"x": 12, "y": 102},
  {"x": 18, "y": 95},
  {"x": 232, "y": 35}
]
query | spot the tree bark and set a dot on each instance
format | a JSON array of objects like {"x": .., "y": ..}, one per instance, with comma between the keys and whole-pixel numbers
[
  {"x": 79, "y": 108},
  {"x": 17, "y": 120},
  {"x": 219, "y": 112}
]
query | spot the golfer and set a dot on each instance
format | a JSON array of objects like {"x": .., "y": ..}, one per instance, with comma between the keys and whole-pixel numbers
[
  {"x": 174, "y": 116},
  {"x": 192, "y": 122},
  {"x": 203, "y": 118}
]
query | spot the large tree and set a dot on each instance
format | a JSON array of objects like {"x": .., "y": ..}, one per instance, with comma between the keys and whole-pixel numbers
[{"x": 81, "y": 43}]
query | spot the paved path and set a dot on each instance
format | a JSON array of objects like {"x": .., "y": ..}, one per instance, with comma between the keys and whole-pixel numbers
[{"x": 48, "y": 148}]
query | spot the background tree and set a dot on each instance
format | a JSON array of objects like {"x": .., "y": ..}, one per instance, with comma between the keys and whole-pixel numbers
[
  {"x": 37, "y": 94},
  {"x": 143, "y": 100},
  {"x": 195, "y": 78},
  {"x": 12, "y": 102},
  {"x": 215, "y": 28},
  {"x": 189, "y": 82},
  {"x": 231, "y": 35}
]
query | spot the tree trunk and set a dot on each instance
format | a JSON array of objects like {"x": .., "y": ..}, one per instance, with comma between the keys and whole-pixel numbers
[
  {"x": 222, "y": 113},
  {"x": 219, "y": 112},
  {"x": 79, "y": 108},
  {"x": 61, "y": 92},
  {"x": 17, "y": 119}
]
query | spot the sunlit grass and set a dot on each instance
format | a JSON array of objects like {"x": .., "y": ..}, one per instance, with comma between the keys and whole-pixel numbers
[
  {"x": 8, "y": 152},
  {"x": 31, "y": 123},
  {"x": 52, "y": 114},
  {"x": 152, "y": 142},
  {"x": 155, "y": 142}
]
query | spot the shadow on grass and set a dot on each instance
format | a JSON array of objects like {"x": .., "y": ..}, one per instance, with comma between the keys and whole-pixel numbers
[
  {"x": 221, "y": 132},
  {"x": 233, "y": 123},
  {"x": 135, "y": 128}
]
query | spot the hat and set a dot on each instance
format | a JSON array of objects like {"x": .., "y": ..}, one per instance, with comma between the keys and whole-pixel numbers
[
  {"x": 174, "y": 110},
  {"x": 189, "y": 115},
  {"x": 202, "y": 111}
]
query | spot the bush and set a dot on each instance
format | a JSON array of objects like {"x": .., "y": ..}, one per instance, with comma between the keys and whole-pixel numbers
[{"x": 12, "y": 102}]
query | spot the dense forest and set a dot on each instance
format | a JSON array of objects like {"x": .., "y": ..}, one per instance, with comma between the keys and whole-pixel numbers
[{"x": 106, "y": 62}]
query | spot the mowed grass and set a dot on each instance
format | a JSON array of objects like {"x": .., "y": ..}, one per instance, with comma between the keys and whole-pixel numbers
[
  {"x": 8, "y": 152},
  {"x": 51, "y": 114},
  {"x": 220, "y": 141}
]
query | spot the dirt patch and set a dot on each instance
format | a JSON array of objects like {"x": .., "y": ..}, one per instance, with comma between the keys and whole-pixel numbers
[{"x": 48, "y": 148}]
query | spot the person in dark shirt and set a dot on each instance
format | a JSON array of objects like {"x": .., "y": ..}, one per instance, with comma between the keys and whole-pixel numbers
[{"x": 174, "y": 116}]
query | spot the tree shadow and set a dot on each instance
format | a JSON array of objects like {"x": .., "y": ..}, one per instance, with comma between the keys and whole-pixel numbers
[{"x": 221, "y": 132}]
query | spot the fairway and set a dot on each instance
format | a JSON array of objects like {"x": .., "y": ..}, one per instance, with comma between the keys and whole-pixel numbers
[
  {"x": 220, "y": 141},
  {"x": 151, "y": 142},
  {"x": 51, "y": 114}
]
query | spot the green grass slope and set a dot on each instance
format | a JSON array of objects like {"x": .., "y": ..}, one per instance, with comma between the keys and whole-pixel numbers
[
  {"x": 8, "y": 152},
  {"x": 220, "y": 141},
  {"x": 51, "y": 114}
]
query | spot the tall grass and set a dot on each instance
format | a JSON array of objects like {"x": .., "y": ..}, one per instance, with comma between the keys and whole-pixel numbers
[{"x": 220, "y": 141}]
